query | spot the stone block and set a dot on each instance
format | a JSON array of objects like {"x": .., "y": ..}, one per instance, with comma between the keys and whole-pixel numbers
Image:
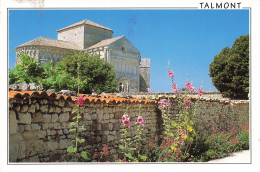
[
  {"x": 34, "y": 147},
  {"x": 87, "y": 116},
  {"x": 59, "y": 132},
  {"x": 20, "y": 129},
  {"x": 24, "y": 108},
  {"x": 54, "y": 118},
  {"x": 45, "y": 126},
  {"x": 57, "y": 110},
  {"x": 61, "y": 103},
  {"x": 29, "y": 135},
  {"x": 94, "y": 116},
  {"x": 12, "y": 122},
  {"x": 52, "y": 146},
  {"x": 50, "y": 132},
  {"x": 64, "y": 117},
  {"x": 51, "y": 109},
  {"x": 110, "y": 126},
  {"x": 16, "y": 147},
  {"x": 106, "y": 116},
  {"x": 27, "y": 128},
  {"x": 46, "y": 118},
  {"x": 56, "y": 125},
  {"x": 24, "y": 118},
  {"x": 32, "y": 108},
  {"x": 66, "y": 109},
  {"x": 65, "y": 125},
  {"x": 64, "y": 144},
  {"x": 44, "y": 108},
  {"x": 44, "y": 102},
  {"x": 110, "y": 138},
  {"x": 65, "y": 131},
  {"x": 35, "y": 127}
]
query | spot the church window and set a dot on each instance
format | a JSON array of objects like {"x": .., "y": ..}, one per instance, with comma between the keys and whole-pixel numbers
[{"x": 123, "y": 48}]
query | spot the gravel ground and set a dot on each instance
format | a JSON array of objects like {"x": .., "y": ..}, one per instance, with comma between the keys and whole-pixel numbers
[{"x": 238, "y": 157}]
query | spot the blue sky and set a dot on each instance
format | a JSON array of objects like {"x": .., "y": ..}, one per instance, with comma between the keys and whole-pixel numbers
[{"x": 189, "y": 39}]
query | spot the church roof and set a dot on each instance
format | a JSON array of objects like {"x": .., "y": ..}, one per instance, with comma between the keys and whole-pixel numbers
[
  {"x": 42, "y": 41},
  {"x": 145, "y": 63},
  {"x": 105, "y": 42},
  {"x": 86, "y": 22}
]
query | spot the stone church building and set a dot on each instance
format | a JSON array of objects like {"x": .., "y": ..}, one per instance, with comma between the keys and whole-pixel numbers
[{"x": 133, "y": 72}]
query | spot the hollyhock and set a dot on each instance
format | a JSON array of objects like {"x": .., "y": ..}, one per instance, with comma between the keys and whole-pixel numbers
[
  {"x": 188, "y": 85},
  {"x": 170, "y": 73},
  {"x": 174, "y": 87},
  {"x": 200, "y": 92},
  {"x": 184, "y": 133},
  {"x": 179, "y": 131},
  {"x": 125, "y": 117},
  {"x": 80, "y": 101},
  {"x": 140, "y": 120},
  {"x": 181, "y": 141},
  {"x": 187, "y": 102},
  {"x": 168, "y": 104},
  {"x": 127, "y": 123},
  {"x": 161, "y": 104},
  {"x": 192, "y": 89}
]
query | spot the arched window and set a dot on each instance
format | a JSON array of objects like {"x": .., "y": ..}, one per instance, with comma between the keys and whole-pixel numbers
[{"x": 123, "y": 48}]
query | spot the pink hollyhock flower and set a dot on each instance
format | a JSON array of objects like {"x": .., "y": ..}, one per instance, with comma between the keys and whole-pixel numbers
[
  {"x": 181, "y": 141},
  {"x": 188, "y": 85},
  {"x": 177, "y": 154},
  {"x": 161, "y": 158},
  {"x": 168, "y": 156},
  {"x": 140, "y": 120},
  {"x": 184, "y": 133},
  {"x": 168, "y": 104},
  {"x": 136, "y": 146},
  {"x": 126, "y": 123},
  {"x": 167, "y": 144},
  {"x": 192, "y": 89},
  {"x": 80, "y": 101},
  {"x": 200, "y": 92},
  {"x": 123, "y": 160},
  {"x": 156, "y": 138},
  {"x": 179, "y": 131},
  {"x": 174, "y": 87},
  {"x": 187, "y": 102},
  {"x": 153, "y": 151},
  {"x": 170, "y": 73},
  {"x": 179, "y": 159},
  {"x": 125, "y": 117},
  {"x": 161, "y": 104}
]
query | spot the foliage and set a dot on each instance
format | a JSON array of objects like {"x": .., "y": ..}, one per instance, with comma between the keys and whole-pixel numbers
[
  {"x": 218, "y": 144},
  {"x": 93, "y": 73},
  {"x": 28, "y": 71},
  {"x": 57, "y": 78},
  {"x": 230, "y": 69}
]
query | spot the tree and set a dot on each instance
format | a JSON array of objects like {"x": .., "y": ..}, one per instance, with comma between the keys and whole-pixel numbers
[
  {"x": 229, "y": 70},
  {"x": 28, "y": 71},
  {"x": 93, "y": 73}
]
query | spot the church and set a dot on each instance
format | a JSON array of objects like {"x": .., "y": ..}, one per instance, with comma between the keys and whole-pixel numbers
[{"x": 133, "y": 72}]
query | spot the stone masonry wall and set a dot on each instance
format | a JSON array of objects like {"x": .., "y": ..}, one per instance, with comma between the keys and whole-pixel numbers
[{"x": 39, "y": 127}]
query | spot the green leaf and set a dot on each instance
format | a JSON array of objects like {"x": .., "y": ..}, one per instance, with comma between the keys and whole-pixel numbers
[
  {"x": 174, "y": 124},
  {"x": 80, "y": 140},
  {"x": 72, "y": 129},
  {"x": 85, "y": 156},
  {"x": 83, "y": 128},
  {"x": 142, "y": 157},
  {"x": 71, "y": 149},
  {"x": 121, "y": 147},
  {"x": 75, "y": 109},
  {"x": 72, "y": 124},
  {"x": 129, "y": 155},
  {"x": 132, "y": 149}
]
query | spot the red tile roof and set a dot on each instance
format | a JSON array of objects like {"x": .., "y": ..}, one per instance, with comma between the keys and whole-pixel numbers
[{"x": 87, "y": 98}]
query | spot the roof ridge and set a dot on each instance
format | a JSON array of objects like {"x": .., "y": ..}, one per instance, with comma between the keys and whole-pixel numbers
[
  {"x": 87, "y": 22},
  {"x": 99, "y": 44}
]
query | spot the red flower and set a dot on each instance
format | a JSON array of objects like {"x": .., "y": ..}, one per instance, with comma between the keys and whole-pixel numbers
[{"x": 80, "y": 101}]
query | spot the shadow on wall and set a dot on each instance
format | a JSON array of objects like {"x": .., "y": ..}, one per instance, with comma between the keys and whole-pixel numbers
[{"x": 143, "y": 84}]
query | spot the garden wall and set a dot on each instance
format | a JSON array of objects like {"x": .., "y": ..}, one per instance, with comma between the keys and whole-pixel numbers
[{"x": 39, "y": 122}]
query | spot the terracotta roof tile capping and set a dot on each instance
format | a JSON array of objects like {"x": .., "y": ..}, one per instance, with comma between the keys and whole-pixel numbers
[{"x": 87, "y": 98}]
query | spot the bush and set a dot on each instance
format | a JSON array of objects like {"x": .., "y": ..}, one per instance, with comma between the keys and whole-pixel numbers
[
  {"x": 230, "y": 69},
  {"x": 28, "y": 71},
  {"x": 94, "y": 73}
]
